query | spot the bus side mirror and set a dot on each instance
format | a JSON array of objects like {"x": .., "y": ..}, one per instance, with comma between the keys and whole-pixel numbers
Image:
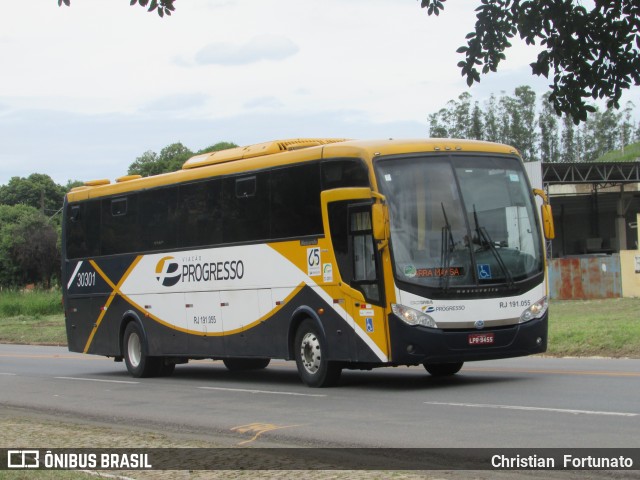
[
  {"x": 546, "y": 215},
  {"x": 380, "y": 221},
  {"x": 547, "y": 222}
]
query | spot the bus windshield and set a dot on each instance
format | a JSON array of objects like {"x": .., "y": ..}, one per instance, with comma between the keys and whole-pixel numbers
[{"x": 461, "y": 221}]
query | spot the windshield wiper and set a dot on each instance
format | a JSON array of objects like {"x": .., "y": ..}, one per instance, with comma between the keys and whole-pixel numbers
[
  {"x": 485, "y": 239},
  {"x": 447, "y": 246}
]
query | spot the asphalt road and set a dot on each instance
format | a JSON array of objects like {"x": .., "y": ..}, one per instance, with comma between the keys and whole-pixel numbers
[{"x": 524, "y": 403}]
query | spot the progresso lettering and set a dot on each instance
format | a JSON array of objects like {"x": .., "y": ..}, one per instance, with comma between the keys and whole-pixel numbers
[{"x": 204, "y": 272}]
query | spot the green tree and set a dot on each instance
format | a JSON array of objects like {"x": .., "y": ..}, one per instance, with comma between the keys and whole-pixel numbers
[
  {"x": 569, "y": 153},
  {"x": 173, "y": 156},
  {"x": 73, "y": 184},
  {"x": 9, "y": 216},
  {"x": 476, "y": 131},
  {"x": 604, "y": 134},
  {"x": 437, "y": 127},
  {"x": 29, "y": 247},
  {"x": 145, "y": 165},
  {"x": 491, "y": 124},
  {"x": 535, "y": 130},
  {"x": 461, "y": 116},
  {"x": 519, "y": 118},
  {"x": 590, "y": 52},
  {"x": 454, "y": 120},
  {"x": 217, "y": 147},
  {"x": 587, "y": 146},
  {"x": 37, "y": 190},
  {"x": 506, "y": 112},
  {"x": 601, "y": 133},
  {"x": 170, "y": 158},
  {"x": 627, "y": 126},
  {"x": 548, "y": 124},
  {"x": 35, "y": 250},
  {"x": 163, "y": 7}
]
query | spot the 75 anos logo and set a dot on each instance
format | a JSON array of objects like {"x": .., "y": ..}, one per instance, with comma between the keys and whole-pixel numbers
[{"x": 168, "y": 271}]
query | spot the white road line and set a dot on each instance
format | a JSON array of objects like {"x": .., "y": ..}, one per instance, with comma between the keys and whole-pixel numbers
[
  {"x": 96, "y": 380},
  {"x": 535, "y": 409},
  {"x": 8, "y": 374},
  {"x": 243, "y": 390}
]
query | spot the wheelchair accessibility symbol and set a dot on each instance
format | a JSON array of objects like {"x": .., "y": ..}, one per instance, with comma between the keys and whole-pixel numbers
[{"x": 484, "y": 271}]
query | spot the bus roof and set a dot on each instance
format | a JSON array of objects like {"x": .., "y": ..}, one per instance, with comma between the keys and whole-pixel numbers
[
  {"x": 280, "y": 152},
  {"x": 258, "y": 150}
]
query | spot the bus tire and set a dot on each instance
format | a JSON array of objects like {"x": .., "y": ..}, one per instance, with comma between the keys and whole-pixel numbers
[
  {"x": 310, "y": 348},
  {"x": 443, "y": 369},
  {"x": 241, "y": 364},
  {"x": 134, "y": 347}
]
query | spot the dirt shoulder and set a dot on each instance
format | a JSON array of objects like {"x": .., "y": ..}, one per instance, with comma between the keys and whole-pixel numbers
[
  {"x": 26, "y": 428},
  {"x": 38, "y": 429}
]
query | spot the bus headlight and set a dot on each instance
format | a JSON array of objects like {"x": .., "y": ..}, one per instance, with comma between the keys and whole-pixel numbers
[
  {"x": 413, "y": 317},
  {"x": 537, "y": 310}
]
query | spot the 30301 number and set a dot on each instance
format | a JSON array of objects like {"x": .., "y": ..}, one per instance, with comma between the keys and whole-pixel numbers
[{"x": 86, "y": 279}]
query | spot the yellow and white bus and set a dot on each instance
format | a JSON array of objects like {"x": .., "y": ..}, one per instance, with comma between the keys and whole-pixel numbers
[{"x": 333, "y": 253}]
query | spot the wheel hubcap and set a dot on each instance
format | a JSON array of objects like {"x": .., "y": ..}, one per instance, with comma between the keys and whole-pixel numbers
[
  {"x": 134, "y": 349},
  {"x": 310, "y": 353}
]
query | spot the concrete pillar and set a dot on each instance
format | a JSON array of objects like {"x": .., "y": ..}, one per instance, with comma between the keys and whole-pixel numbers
[{"x": 621, "y": 223}]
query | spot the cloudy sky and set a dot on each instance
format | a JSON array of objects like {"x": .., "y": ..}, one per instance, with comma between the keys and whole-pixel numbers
[{"x": 87, "y": 89}]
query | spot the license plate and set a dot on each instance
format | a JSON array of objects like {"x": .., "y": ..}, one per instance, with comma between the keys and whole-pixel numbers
[{"x": 481, "y": 339}]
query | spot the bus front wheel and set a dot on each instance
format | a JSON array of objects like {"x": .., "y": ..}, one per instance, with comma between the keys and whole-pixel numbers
[
  {"x": 314, "y": 368},
  {"x": 138, "y": 362},
  {"x": 443, "y": 369}
]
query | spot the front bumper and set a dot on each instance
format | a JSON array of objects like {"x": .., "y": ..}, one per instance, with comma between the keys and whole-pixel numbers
[{"x": 414, "y": 345}]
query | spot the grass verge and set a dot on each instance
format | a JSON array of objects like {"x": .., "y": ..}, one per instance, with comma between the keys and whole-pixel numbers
[
  {"x": 33, "y": 330},
  {"x": 608, "y": 328},
  {"x": 30, "y": 303}
]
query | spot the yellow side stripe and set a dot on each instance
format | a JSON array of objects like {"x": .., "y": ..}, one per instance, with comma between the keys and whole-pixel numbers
[{"x": 112, "y": 295}]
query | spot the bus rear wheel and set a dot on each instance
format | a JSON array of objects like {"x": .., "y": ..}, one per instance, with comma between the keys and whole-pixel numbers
[
  {"x": 310, "y": 348},
  {"x": 240, "y": 364},
  {"x": 139, "y": 363},
  {"x": 443, "y": 369}
]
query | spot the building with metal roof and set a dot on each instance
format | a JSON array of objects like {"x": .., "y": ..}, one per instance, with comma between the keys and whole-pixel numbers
[{"x": 596, "y": 206}]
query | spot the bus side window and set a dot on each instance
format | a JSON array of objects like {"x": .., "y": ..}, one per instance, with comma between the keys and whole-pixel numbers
[
  {"x": 200, "y": 217},
  {"x": 83, "y": 229},
  {"x": 74, "y": 215},
  {"x": 158, "y": 218},
  {"x": 245, "y": 187},
  {"x": 120, "y": 229},
  {"x": 356, "y": 255},
  {"x": 364, "y": 252},
  {"x": 245, "y": 217},
  {"x": 338, "y": 173},
  {"x": 118, "y": 207},
  {"x": 295, "y": 201}
]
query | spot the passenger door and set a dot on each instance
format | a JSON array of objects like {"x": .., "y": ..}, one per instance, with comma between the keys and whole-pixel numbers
[{"x": 348, "y": 212}]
